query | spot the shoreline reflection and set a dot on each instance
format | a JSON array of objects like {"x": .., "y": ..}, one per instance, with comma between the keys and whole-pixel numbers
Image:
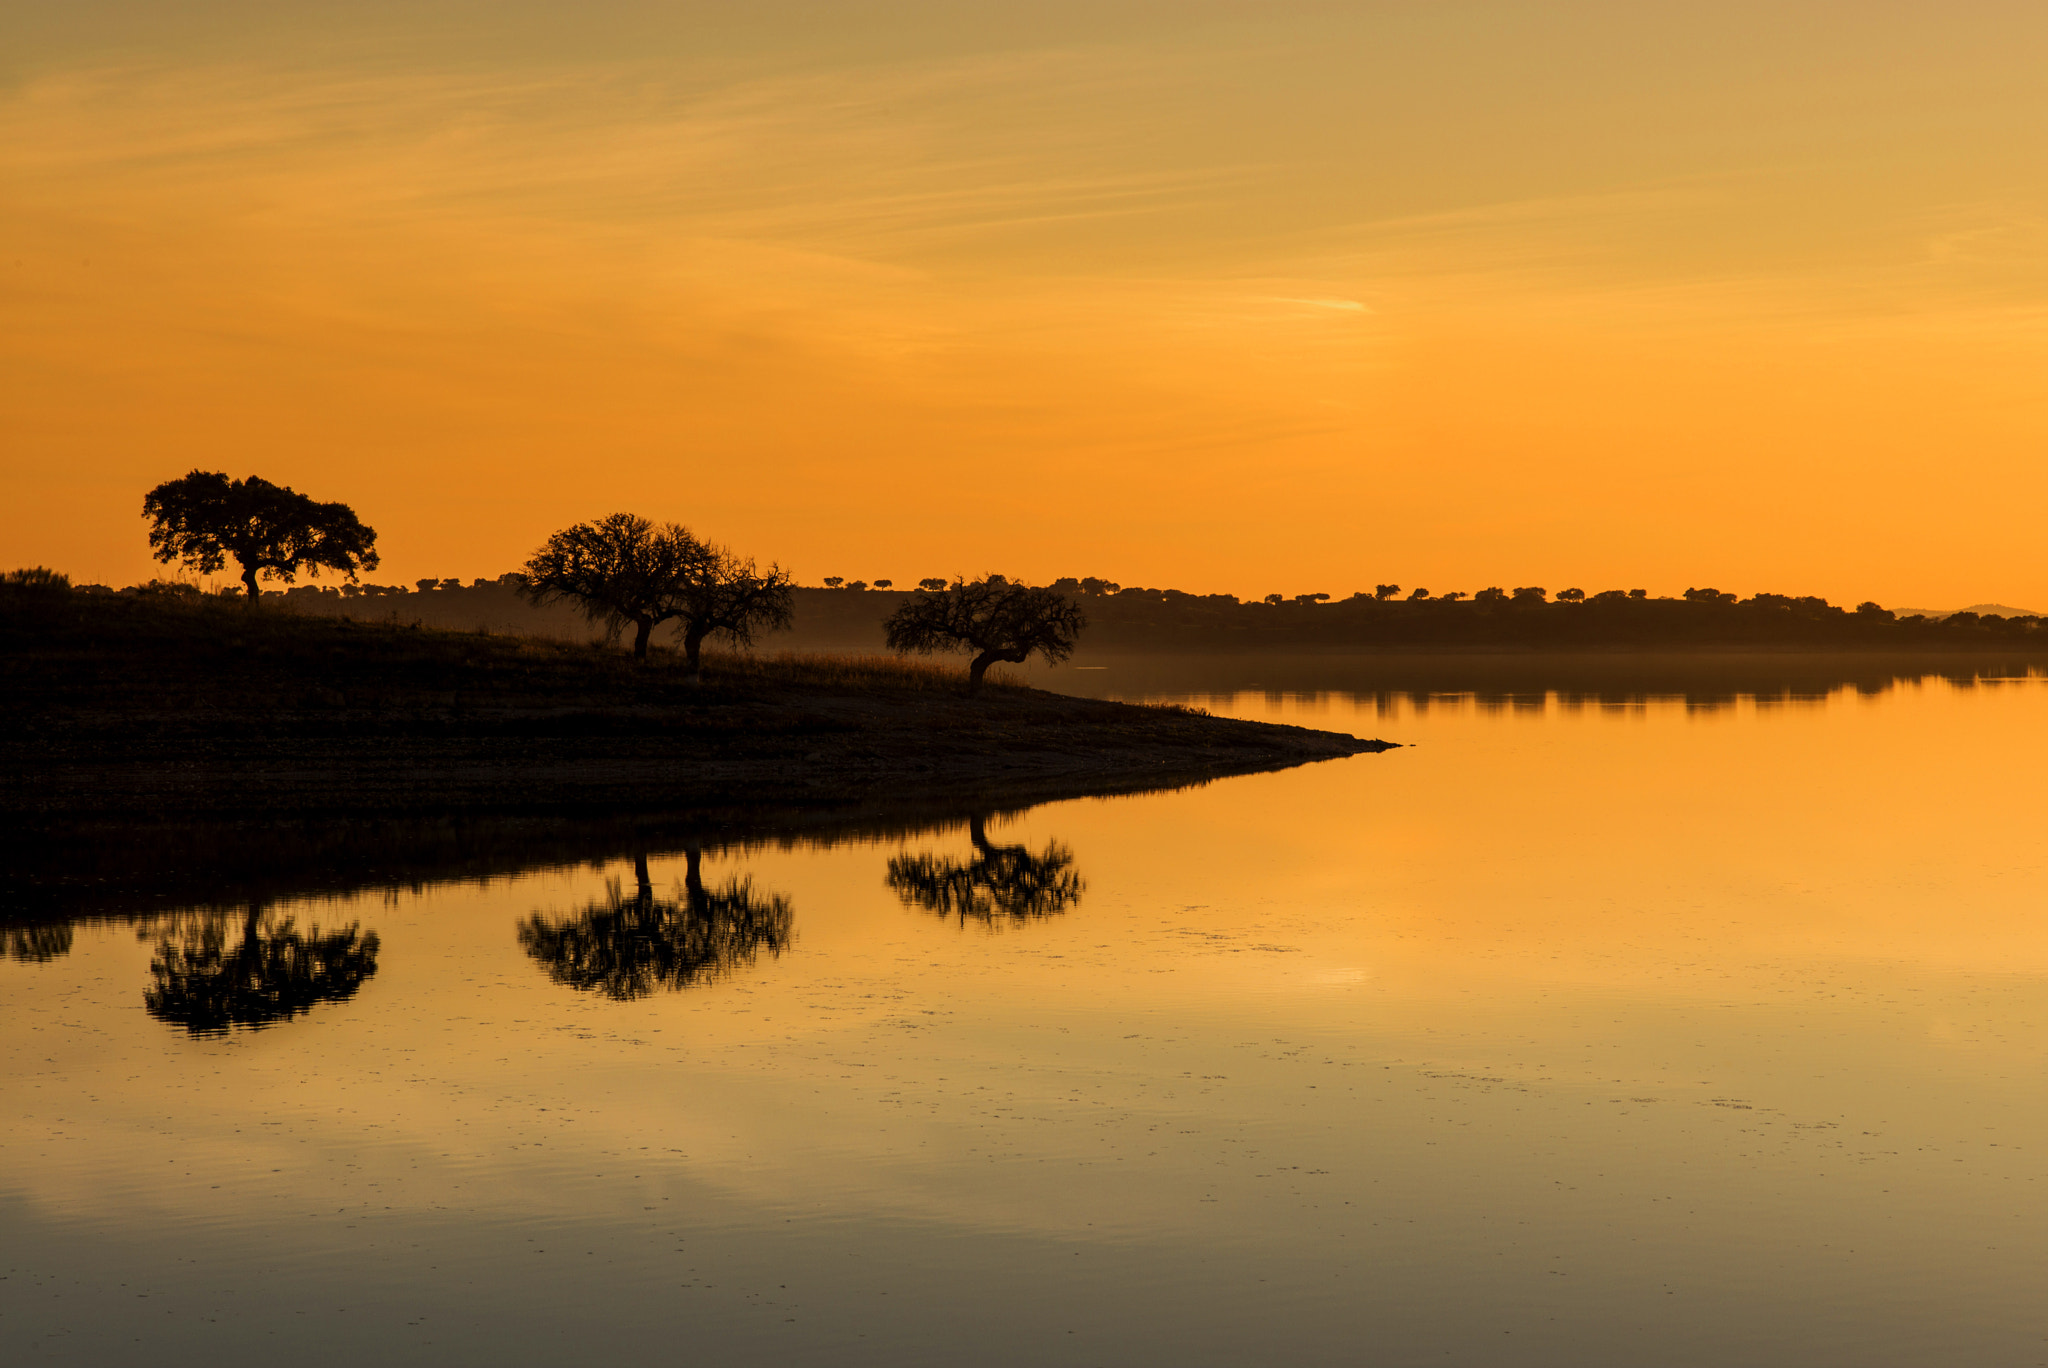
[
  {"x": 1000, "y": 884},
  {"x": 629, "y": 947},
  {"x": 271, "y": 974}
]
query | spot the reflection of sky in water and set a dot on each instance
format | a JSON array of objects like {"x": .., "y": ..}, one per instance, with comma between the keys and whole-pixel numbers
[{"x": 1569, "y": 1035}]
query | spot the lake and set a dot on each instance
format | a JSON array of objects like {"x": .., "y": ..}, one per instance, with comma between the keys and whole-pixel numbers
[{"x": 1633, "y": 1012}]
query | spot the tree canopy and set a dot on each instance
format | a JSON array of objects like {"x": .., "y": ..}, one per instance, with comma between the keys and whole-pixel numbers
[
  {"x": 201, "y": 519},
  {"x": 627, "y": 569},
  {"x": 996, "y": 619}
]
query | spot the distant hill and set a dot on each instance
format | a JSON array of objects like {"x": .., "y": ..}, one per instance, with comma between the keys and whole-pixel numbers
[
  {"x": 1166, "y": 620},
  {"x": 1142, "y": 620},
  {"x": 1980, "y": 609}
]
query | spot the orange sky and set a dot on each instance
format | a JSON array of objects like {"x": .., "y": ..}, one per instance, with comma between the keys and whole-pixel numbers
[{"x": 1288, "y": 297}]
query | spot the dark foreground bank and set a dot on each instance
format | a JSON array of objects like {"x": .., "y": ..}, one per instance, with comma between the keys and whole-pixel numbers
[{"x": 130, "y": 708}]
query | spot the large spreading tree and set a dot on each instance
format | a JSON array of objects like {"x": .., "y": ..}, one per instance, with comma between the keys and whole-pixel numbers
[
  {"x": 627, "y": 569},
  {"x": 997, "y": 620},
  {"x": 273, "y": 531}
]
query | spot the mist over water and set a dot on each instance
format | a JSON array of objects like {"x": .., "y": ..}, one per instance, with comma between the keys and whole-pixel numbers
[{"x": 1633, "y": 1012}]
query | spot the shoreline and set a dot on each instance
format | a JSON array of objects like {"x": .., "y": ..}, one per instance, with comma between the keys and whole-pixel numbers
[{"x": 126, "y": 710}]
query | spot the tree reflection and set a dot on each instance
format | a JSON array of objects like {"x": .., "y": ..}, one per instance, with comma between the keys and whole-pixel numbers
[
  {"x": 1001, "y": 883},
  {"x": 627, "y": 947},
  {"x": 272, "y": 972},
  {"x": 38, "y": 944}
]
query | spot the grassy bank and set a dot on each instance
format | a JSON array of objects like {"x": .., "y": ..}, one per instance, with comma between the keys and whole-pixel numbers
[{"x": 129, "y": 707}]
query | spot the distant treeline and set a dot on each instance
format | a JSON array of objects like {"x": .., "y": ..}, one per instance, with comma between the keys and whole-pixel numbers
[{"x": 1121, "y": 619}]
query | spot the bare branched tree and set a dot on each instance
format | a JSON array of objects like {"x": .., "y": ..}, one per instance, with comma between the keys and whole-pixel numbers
[
  {"x": 203, "y": 518},
  {"x": 727, "y": 597},
  {"x": 992, "y": 617}
]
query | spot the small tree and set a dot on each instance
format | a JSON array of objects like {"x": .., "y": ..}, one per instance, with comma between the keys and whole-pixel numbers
[
  {"x": 620, "y": 569},
  {"x": 997, "y": 620},
  {"x": 203, "y": 518},
  {"x": 727, "y": 597},
  {"x": 1384, "y": 592}
]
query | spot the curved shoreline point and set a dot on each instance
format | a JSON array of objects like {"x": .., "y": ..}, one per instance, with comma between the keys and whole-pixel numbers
[{"x": 131, "y": 711}]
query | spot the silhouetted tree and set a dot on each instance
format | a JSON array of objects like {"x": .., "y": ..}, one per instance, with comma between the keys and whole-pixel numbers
[
  {"x": 726, "y": 597},
  {"x": 621, "y": 569},
  {"x": 834, "y": 581},
  {"x": 931, "y": 584},
  {"x": 1571, "y": 596},
  {"x": 1530, "y": 593},
  {"x": 626, "y": 947},
  {"x": 273, "y": 972},
  {"x": 1385, "y": 591},
  {"x": 1418, "y": 595},
  {"x": 1490, "y": 594},
  {"x": 201, "y": 519},
  {"x": 997, "y": 620},
  {"x": 1000, "y": 882},
  {"x": 884, "y": 584}
]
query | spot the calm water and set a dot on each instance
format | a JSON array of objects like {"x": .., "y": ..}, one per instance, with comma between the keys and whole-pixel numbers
[{"x": 1576, "y": 1033}]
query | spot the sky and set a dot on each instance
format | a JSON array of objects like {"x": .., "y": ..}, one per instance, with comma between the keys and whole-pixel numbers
[{"x": 1228, "y": 297}]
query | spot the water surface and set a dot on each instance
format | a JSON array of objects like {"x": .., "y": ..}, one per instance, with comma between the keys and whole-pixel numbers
[{"x": 1599, "y": 1025}]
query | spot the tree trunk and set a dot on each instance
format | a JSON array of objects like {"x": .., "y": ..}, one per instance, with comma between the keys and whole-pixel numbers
[
  {"x": 642, "y": 878},
  {"x": 693, "y": 650},
  {"x": 980, "y": 668},
  {"x": 643, "y": 628},
  {"x": 988, "y": 658},
  {"x": 693, "y": 877},
  {"x": 249, "y": 582}
]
